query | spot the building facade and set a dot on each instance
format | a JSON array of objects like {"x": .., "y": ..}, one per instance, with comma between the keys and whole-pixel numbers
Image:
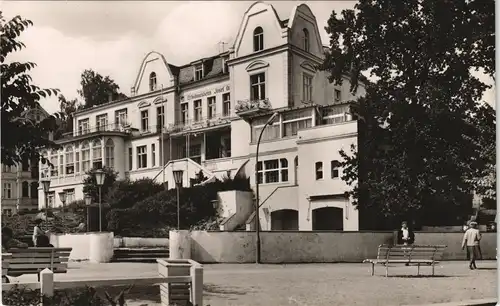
[
  {"x": 20, "y": 182},
  {"x": 207, "y": 116}
]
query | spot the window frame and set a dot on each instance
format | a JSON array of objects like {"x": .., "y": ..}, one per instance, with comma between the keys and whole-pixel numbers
[
  {"x": 258, "y": 39},
  {"x": 152, "y": 81},
  {"x": 285, "y": 122},
  {"x": 102, "y": 118},
  {"x": 318, "y": 170},
  {"x": 198, "y": 72},
  {"x": 211, "y": 107},
  {"x": 226, "y": 103},
  {"x": 7, "y": 190},
  {"x": 282, "y": 171},
  {"x": 83, "y": 126},
  {"x": 261, "y": 86},
  {"x": 142, "y": 156},
  {"x": 153, "y": 155},
  {"x": 197, "y": 110},
  {"x": 307, "y": 89},
  {"x": 335, "y": 169},
  {"x": 305, "y": 40},
  {"x": 184, "y": 112},
  {"x": 144, "y": 120},
  {"x": 109, "y": 153}
]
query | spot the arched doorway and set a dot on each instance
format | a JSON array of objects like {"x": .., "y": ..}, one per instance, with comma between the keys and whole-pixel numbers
[
  {"x": 285, "y": 220},
  {"x": 328, "y": 219}
]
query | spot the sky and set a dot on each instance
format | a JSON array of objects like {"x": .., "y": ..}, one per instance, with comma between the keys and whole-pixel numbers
[{"x": 112, "y": 37}]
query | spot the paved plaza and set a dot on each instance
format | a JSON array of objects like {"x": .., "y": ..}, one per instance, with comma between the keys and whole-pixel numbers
[{"x": 309, "y": 284}]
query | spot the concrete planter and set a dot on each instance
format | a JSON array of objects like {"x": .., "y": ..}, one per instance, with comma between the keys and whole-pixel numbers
[
  {"x": 180, "y": 244},
  {"x": 101, "y": 247}
]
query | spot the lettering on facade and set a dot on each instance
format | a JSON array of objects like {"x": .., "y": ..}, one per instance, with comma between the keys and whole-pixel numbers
[{"x": 208, "y": 92}]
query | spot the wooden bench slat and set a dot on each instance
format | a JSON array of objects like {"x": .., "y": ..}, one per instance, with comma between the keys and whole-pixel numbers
[
  {"x": 39, "y": 250},
  {"x": 42, "y": 266},
  {"x": 28, "y": 260},
  {"x": 47, "y": 255}
]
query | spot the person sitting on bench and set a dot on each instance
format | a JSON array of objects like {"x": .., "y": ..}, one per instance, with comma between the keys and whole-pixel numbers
[{"x": 40, "y": 238}]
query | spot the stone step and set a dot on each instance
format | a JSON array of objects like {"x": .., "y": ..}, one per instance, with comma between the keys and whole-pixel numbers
[
  {"x": 138, "y": 259},
  {"x": 145, "y": 255}
]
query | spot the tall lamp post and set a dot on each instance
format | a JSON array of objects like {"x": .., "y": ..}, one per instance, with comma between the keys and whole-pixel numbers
[
  {"x": 88, "y": 201},
  {"x": 46, "y": 188},
  {"x": 99, "y": 177},
  {"x": 257, "y": 205},
  {"x": 178, "y": 184}
]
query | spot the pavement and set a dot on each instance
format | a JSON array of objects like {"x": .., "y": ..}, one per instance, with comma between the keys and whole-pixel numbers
[{"x": 310, "y": 284}]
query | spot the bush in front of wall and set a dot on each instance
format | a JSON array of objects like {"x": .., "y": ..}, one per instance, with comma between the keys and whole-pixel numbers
[{"x": 19, "y": 296}]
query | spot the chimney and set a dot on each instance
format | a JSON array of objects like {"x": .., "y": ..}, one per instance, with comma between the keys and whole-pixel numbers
[
  {"x": 110, "y": 97},
  {"x": 132, "y": 91}
]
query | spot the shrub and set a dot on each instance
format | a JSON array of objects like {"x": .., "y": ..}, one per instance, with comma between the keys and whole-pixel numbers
[
  {"x": 90, "y": 184},
  {"x": 19, "y": 296},
  {"x": 124, "y": 194}
]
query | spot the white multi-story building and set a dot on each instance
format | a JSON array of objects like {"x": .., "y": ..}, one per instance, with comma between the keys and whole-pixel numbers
[
  {"x": 20, "y": 182},
  {"x": 212, "y": 111}
]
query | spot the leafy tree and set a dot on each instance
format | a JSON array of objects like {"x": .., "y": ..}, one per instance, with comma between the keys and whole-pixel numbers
[
  {"x": 415, "y": 153},
  {"x": 22, "y": 138},
  {"x": 124, "y": 194},
  {"x": 97, "y": 89},
  {"x": 67, "y": 109},
  {"x": 90, "y": 183}
]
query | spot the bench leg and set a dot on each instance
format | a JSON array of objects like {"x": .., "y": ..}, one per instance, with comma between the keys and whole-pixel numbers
[
  {"x": 373, "y": 268},
  {"x": 386, "y": 270},
  {"x": 418, "y": 269},
  {"x": 432, "y": 269}
]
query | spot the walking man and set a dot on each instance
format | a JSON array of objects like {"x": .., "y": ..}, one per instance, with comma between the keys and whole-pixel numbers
[{"x": 471, "y": 240}]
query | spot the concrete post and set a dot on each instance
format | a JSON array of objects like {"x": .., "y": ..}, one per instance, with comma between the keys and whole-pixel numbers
[
  {"x": 47, "y": 282},
  {"x": 180, "y": 244},
  {"x": 101, "y": 247},
  {"x": 197, "y": 285}
]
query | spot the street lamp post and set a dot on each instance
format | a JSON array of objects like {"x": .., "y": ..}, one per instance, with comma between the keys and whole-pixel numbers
[
  {"x": 99, "y": 177},
  {"x": 257, "y": 206},
  {"x": 46, "y": 188},
  {"x": 88, "y": 201},
  {"x": 178, "y": 183}
]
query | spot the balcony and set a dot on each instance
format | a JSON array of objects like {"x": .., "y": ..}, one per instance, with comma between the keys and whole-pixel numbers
[
  {"x": 120, "y": 128},
  {"x": 245, "y": 108},
  {"x": 202, "y": 123}
]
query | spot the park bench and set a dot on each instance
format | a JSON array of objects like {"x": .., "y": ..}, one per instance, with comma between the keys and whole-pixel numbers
[
  {"x": 34, "y": 260},
  {"x": 411, "y": 255}
]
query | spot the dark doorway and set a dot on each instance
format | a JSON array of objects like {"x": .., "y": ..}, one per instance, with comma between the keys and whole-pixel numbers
[
  {"x": 285, "y": 220},
  {"x": 328, "y": 219}
]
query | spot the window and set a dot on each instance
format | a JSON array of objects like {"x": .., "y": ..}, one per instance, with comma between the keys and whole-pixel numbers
[
  {"x": 54, "y": 167},
  {"x": 7, "y": 190},
  {"x": 152, "y": 81},
  {"x": 85, "y": 157},
  {"x": 258, "y": 86},
  {"x": 197, "y": 110},
  {"x": 34, "y": 190},
  {"x": 120, "y": 118},
  {"x": 160, "y": 117},
  {"x": 226, "y": 105},
  {"x": 7, "y": 212},
  {"x": 272, "y": 171},
  {"x": 337, "y": 95},
  {"x": 70, "y": 162},
  {"x": 77, "y": 162},
  {"x": 144, "y": 120},
  {"x": 296, "y": 121},
  {"x": 61, "y": 164},
  {"x": 25, "y": 165},
  {"x": 185, "y": 112},
  {"x": 307, "y": 88},
  {"x": 130, "y": 158},
  {"x": 70, "y": 195},
  {"x": 272, "y": 131},
  {"x": 102, "y": 122},
  {"x": 335, "y": 114},
  {"x": 110, "y": 153},
  {"x": 51, "y": 199},
  {"x": 97, "y": 154},
  {"x": 153, "y": 155},
  {"x": 142, "y": 157},
  {"x": 211, "y": 107},
  {"x": 319, "y": 170},
  {"x": 305, "y": 41},
  {"x": 26, "y": 190},
  {"x": 334, "y": 164},
  {"x": 83, "y": 126},
  {"x": 198, "y": 72},
  {"x": 258, "y": 39}
]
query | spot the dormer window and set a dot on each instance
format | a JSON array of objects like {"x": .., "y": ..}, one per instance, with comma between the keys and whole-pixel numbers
[
  {"x": 224, "y": 65},
  {"x": 258, "y": 39},
  {"x": 152, "y": 81},
  {"x": 198, "y": 72},
  {"x": 305, "y": 41}
]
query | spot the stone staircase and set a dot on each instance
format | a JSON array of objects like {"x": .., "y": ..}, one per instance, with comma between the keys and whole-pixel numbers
[{"x": 144, "y": 255}]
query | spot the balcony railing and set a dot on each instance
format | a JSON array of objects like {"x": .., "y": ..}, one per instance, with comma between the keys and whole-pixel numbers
[
  {"x": 112, "y": 127},
  {"x": 251, "y": 106},
  {"x": 198, "y": 124}
]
